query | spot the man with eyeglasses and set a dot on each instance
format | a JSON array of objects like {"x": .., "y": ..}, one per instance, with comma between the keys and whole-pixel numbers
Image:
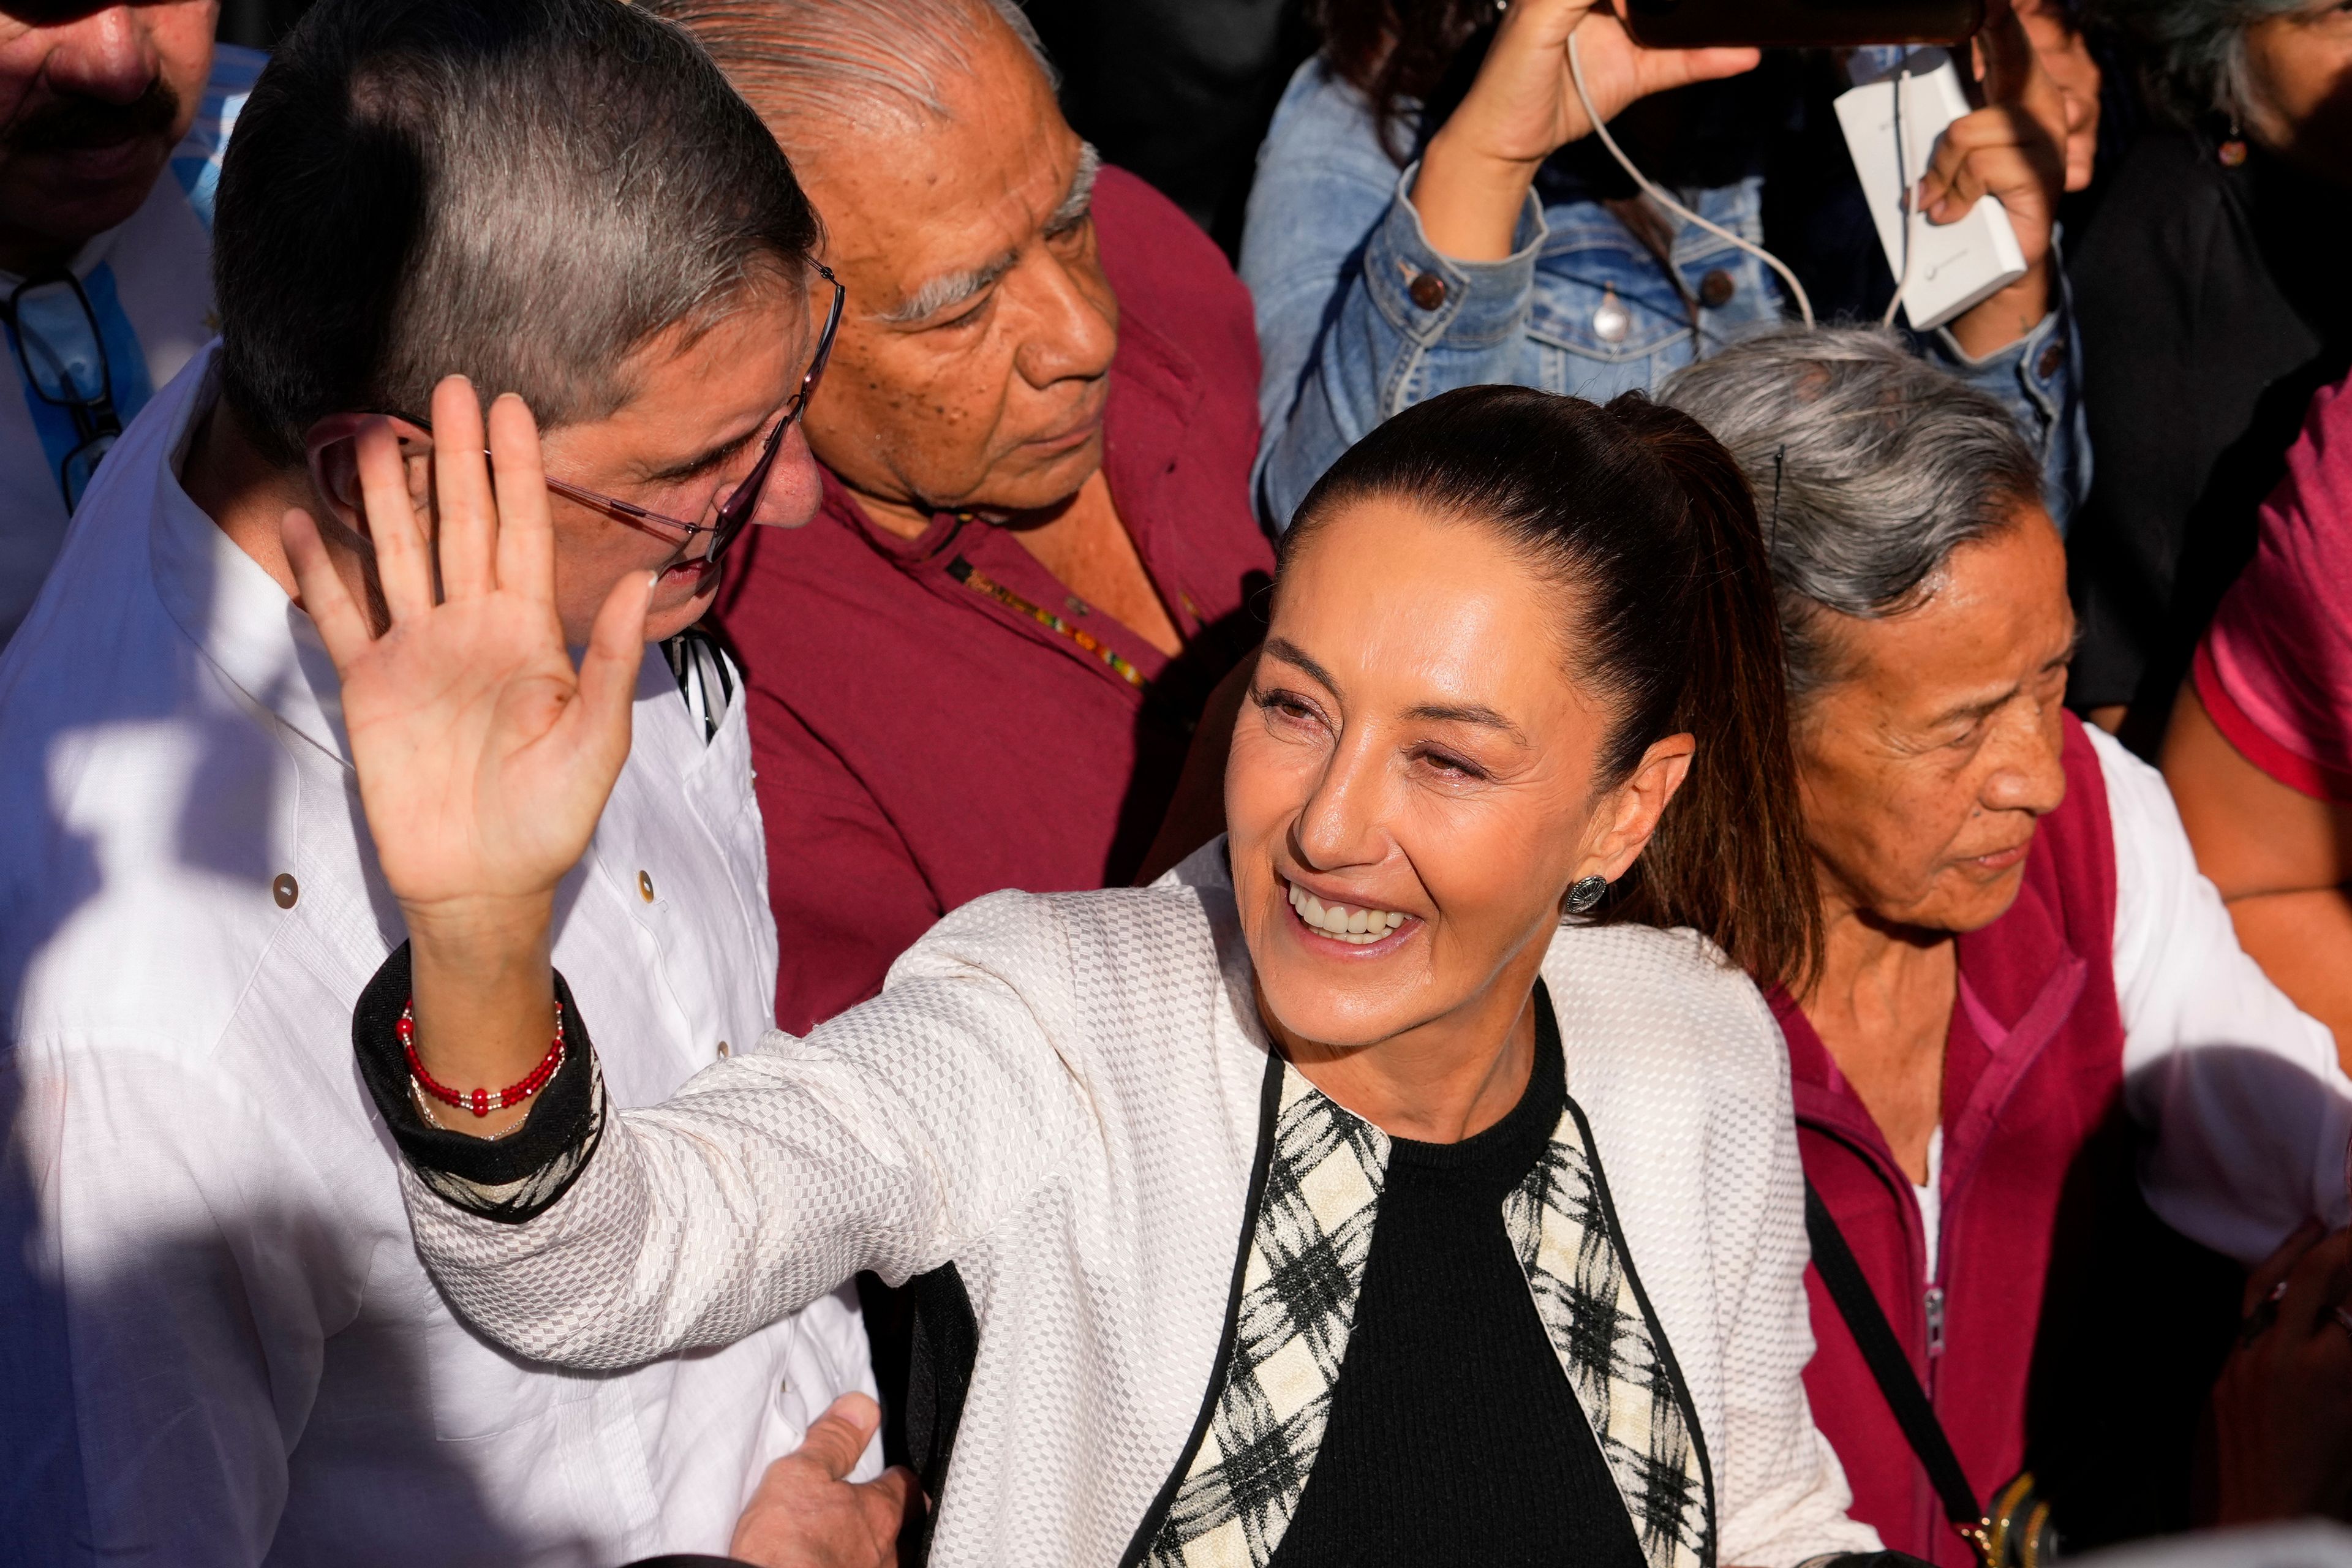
[
  {"x": 113, "y": 119},
  {"x": 217, "y": 1344}
]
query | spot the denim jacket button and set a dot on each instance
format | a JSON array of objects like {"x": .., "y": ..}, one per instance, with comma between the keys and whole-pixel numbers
[
  {"x": 1715, "y": 290},
  {"x": 2053, "y": 357},
  {"x": 1428, "y": 290},
  {"x": 1611, "y": 321}
]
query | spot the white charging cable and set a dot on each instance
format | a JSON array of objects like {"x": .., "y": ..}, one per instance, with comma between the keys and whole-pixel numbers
[
  {"x": 1657, "y": 195},
  {"x": 1909, "y": 193}
]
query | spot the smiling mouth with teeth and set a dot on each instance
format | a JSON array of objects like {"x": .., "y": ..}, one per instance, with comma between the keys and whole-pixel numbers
[{"x": 1357, "y": 927}]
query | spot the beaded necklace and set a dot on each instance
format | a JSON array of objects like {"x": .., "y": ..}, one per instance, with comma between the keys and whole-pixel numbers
[{"x": 979, "y": 582}]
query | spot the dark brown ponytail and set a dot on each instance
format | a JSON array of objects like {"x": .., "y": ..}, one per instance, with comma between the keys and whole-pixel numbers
[{"x": 1647, "y": 516}]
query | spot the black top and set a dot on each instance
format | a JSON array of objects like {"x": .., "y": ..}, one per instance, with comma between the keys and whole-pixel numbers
[
  {"x": 2212, "y": 305},
  {"x": 1455, "y": 1436}
]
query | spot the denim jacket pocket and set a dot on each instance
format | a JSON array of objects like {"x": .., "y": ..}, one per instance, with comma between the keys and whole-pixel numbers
[{"x": 1577, "y": 278}]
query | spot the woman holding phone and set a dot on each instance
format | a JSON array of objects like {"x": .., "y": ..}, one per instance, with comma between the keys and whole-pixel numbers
[
  {"x": 1432, "y": 210},
  {"x": 1412, "y": 1172}
]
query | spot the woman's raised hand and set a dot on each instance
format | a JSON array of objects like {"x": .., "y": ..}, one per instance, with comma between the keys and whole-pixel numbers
[
  {"x": 1523, "y": 108},
  {"x": 484, "y": 757}
]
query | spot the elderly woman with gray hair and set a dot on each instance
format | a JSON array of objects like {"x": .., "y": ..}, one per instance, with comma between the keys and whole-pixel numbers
[
  {"x": 2208, "y": 292},
  {"x": 2017, "y": 948}
]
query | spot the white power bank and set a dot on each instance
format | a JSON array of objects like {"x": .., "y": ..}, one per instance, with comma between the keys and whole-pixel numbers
[{"x": 1953, "y": 265}]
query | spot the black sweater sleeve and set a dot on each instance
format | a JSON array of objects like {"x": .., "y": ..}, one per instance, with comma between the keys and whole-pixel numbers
[{"x": 512, "y": 1178}]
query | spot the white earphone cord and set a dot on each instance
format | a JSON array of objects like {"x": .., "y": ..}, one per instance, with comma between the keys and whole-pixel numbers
[
  {"x": 1903, "y": 172},
  {"x": 1657, "y": 195}
]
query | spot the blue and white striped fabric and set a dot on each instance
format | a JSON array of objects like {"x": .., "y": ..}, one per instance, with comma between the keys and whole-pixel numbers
[{"x": 150, "y": 284}]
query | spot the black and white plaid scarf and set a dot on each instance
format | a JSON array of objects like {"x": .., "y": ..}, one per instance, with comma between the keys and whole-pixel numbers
[{"x": 1299, "y": 1285}]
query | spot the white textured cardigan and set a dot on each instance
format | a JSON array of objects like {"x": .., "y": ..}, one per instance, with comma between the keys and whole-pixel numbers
[{"x": 1067, "y": 1097}]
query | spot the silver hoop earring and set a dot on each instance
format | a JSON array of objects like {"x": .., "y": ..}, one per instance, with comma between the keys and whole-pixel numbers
[{"x": 1586, "y": 893}]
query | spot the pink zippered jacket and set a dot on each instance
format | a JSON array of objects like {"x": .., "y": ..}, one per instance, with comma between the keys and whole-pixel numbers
[{"x": 2064, "y": 1327}]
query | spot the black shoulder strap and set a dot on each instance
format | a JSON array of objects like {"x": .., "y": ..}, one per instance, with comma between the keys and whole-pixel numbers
[
  {"x": 939, "y": 1377},
  {"x": 1889, "y": 1366}
]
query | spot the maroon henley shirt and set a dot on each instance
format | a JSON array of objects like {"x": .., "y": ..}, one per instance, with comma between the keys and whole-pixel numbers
[{"x": 920, "y": 741}]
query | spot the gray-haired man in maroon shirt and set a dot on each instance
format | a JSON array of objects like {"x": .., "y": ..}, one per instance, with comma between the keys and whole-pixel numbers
[{"x": 980, "y": 667}]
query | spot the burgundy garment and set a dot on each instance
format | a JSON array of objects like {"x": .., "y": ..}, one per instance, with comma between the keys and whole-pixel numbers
[
  {"x": 919, "y": 743},
  {"x": 2042, "y": 1219}
]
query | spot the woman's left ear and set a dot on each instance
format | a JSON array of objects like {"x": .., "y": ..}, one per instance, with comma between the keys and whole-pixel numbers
[{"x": 1634, "y": 809}]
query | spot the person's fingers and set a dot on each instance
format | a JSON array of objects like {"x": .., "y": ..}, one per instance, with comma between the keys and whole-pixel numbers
[
  {"x": 1980, "y": 154},
  {"x": 1542, "y": 25},
  {"x": 886, "y": 1501},
  {"x": 403, "y": 560},
  {"x": 2311, "y": 1287},
  {"x": 608, "y": 684},
  {"x": 2006, "y": 52},
  {"x": 2082, "y": 142},
  {"x": 2015, "y": 78},
  {"x": 343, "y": 626},
  {"x": 1999, "y": 172},
  {"x": 2336, "y": 1289},
  {"x": 1951, "y": 151},
  {"x": 837, "y": 1440},
  {"x": 1982, "y": 131},
  {"x": 466, "y": 525},
  {"x": 525, "y": 546},
  {"x": 1601, "y": 39},
  {"x": 2273, "y": 1270},
  {"x": 1658, "y": 70}
]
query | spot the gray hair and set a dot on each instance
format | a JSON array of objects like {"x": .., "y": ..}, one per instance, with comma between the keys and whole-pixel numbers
[
  {"x": 414, "y": 190},
  {"x": 1869, "y": 467},
  {"x": 2193, "y": 51},
  {"x": 848, "y": 58}
]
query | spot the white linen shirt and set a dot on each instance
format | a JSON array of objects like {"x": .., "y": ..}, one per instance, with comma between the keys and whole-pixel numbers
[{"x": 217, "y": 1345}]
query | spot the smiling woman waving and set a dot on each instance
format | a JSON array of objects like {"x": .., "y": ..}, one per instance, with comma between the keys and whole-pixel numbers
[{"x": 1403, "y": 1178}]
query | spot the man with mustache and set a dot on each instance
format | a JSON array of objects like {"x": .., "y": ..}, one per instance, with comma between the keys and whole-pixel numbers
[
  {"x": 105, "y": 271},
  {"x": 980, "y": 667}
]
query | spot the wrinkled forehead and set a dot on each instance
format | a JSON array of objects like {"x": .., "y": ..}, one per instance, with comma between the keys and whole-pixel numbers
[
  {"x": 1992, "y": 621},
  {"x": 907, "y": 186}
]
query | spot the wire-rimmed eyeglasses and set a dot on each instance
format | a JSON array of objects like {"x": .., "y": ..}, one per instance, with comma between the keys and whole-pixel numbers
[{"x": 733, "y": 512}]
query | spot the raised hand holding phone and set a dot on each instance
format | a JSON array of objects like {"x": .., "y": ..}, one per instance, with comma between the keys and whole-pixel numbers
[
  {"x": 1478, "y": 168},
  {"x": 484, "y": 757},
  {"x": 2014, "y": 150}
]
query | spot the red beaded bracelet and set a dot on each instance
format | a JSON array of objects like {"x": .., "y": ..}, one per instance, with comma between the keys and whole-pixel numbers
[{"x": 480, "y": 1102}]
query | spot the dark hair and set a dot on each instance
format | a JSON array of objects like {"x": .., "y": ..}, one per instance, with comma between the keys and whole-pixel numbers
[
  {"x": 2192, "y": 53},
  {"x": 522, "y": 191},
  {"x": 1647, "y": 517},
  {"x": 1398, "y": 51}
]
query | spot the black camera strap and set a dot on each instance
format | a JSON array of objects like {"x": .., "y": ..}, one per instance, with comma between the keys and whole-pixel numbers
[{"x": 1890, "y": 1368}]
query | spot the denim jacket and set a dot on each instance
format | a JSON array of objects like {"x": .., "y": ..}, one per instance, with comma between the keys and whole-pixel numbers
[{"x": 1360, "y": 316}]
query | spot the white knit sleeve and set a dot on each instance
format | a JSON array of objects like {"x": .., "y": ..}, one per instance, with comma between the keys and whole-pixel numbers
[
  {"x": 888, "y": 1139},
  {"x": 1782, "y": 1495}
]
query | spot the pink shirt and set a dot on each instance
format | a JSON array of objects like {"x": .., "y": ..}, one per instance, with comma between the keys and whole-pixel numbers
[
  {"x": 924, "y": 725},
  {"x": 2275, "y": 668}
]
